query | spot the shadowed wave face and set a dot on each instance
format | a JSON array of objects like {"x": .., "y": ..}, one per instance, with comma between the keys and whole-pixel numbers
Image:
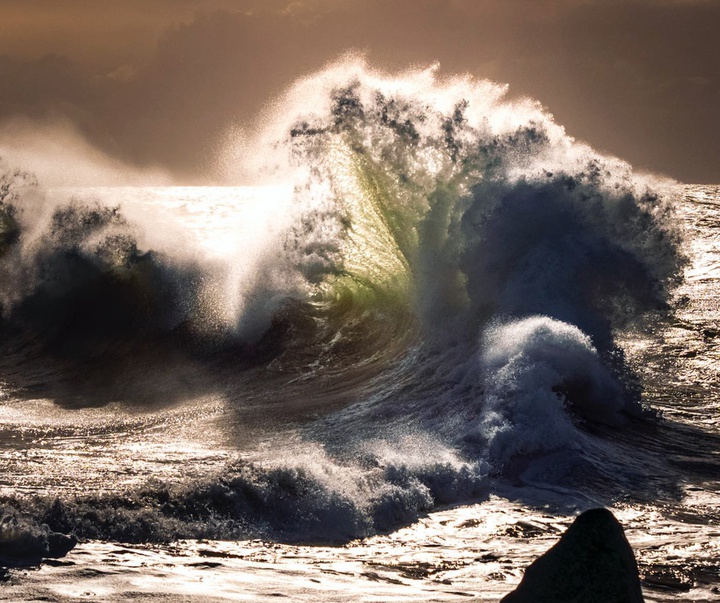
[{"x": 450, "y": 276}]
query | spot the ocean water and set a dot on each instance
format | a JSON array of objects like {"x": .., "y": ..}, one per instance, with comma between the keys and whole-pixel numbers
[{"x": 433, "y": 330}]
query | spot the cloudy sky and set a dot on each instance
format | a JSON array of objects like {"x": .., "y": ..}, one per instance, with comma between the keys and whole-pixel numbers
[{"x": 159, "y": 82}]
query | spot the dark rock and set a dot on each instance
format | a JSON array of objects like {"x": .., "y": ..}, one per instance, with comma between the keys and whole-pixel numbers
[{"x": 591, "y": 563}]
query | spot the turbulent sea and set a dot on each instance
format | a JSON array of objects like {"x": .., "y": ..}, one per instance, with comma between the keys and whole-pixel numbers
[{"x": 432, "y": 331}]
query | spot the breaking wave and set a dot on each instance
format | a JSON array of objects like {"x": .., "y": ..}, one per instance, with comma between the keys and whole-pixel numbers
[{"x": 450, "y": 280}]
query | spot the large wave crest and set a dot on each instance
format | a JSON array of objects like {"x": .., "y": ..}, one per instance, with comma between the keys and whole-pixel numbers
[{"x": 458, "y": 242}]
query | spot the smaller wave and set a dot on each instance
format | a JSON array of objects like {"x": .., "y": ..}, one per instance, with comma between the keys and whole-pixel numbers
[
  {"x": 313, "y": 499},
  {"x": 542, "y": 376},
  {"x": 23, "y": 543}
]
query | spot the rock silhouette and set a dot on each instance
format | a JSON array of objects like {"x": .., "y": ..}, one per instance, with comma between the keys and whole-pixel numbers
[{"x": 591, "y": 563}]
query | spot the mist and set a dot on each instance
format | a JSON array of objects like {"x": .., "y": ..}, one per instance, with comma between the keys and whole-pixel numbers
[{"x": 163, "y": 86}]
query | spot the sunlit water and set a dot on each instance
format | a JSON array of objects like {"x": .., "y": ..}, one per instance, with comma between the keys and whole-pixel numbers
[{"x": 473, "y": 550}]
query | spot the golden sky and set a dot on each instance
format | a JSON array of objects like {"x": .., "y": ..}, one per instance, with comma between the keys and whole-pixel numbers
[{"x": 156, "y": 82}]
